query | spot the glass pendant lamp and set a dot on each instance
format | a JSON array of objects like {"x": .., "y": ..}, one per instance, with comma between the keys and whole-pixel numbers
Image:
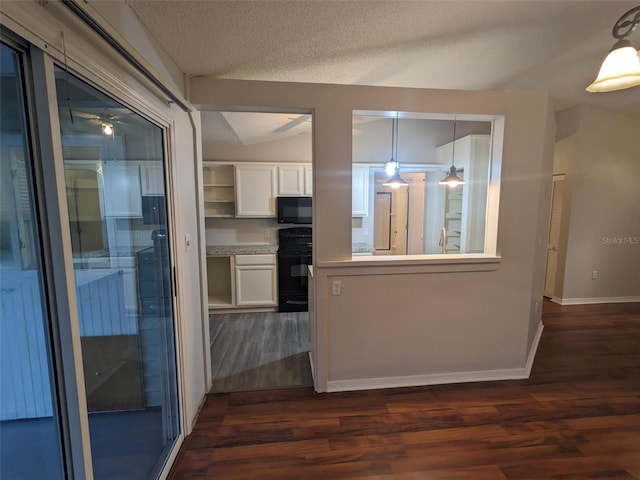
[
  {"x": 392, "y": 167},
  {"x": 621, "y": 68}
]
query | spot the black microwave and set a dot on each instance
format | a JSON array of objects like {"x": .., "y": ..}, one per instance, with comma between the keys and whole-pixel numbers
[
  {"x": 154, "y": 211},
  {"x": 294, "y": 210}
]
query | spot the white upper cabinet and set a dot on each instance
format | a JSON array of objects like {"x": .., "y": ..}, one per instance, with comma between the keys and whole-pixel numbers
[
  {"x": 291, "y": 179},
  {"x": 152, "y": 178},
  {"x": 252, "y": 190},
  {"x": 122, "y": 193},
  {"x": 360, "y": 191},
  {"x": 308, "y": 180},
  {"x": 256, "y": 188},
  {"x": 219, "y": 190}
]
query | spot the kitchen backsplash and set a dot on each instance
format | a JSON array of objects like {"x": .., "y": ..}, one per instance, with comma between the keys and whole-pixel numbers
[{"x": 233, "y": 231}]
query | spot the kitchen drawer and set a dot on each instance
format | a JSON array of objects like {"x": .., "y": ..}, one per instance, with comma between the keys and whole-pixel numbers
[{"x": 263, "y": 259}]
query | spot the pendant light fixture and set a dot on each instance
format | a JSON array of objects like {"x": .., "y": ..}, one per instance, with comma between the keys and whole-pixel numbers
[
  {"x": 392, "y": 167},
  {"x": 452, "y": 179},
  {"x": 621, "y": 68}
]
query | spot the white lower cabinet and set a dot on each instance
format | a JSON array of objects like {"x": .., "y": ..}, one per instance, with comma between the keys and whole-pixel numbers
[
  {"x": 242, "y": 281},
  {"x": 256, "y": 280},
  {"x": 220, "y": 281}
]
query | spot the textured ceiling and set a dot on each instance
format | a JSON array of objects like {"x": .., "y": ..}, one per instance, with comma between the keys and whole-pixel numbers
[{"x": 556, "y": 45}]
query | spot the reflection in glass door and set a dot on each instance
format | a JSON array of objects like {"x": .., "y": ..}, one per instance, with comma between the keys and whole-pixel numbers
[
  {"x": 113, "y": 163},
  {"x": 30, "y": 444}
]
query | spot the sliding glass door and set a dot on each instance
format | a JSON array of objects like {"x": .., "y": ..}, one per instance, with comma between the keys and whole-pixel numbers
[
  {"x": 113, "y": 344},
  {"x": 115, "y": 189},
  {"x": 30, "y": 440}
]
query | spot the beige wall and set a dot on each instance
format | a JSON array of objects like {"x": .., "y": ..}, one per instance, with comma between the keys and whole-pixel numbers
[
  {"x": 193, "y": 310},
  {"x": 394, "y": 325},
  {"x": 601, "y": 160},
  {"x": 126, "y": 23},
  {"x": 543, "y": 196},
  {"x": 220, "y": 142},
  {"x": 417, "y": 141}
]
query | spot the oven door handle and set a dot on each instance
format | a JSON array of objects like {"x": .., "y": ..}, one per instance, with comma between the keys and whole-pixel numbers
[{"x": 296, "y": 302}]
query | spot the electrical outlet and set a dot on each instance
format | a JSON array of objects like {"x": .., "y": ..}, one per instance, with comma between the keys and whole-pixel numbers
[
  {"x": 336, "y": 287},
  {"x": 594, "y": 275},
  {"x": 267, "y": 233}
]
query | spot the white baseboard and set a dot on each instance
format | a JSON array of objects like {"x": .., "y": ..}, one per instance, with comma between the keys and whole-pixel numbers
[
  {"x": 439, "y": 378},
  {"x": 590, "y": 301}
]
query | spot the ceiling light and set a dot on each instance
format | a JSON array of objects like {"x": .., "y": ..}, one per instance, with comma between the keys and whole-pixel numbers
[
  {"x": 621, "y": 68},
  {"x": 452, "y": 179},
  {"x": 392, "y": 167},
  {"x": 107, "y": 129},
  {"x": 395, "y": 180}
]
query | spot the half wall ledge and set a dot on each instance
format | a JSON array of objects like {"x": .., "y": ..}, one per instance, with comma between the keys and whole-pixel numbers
[{"x": 416, "y": 263}]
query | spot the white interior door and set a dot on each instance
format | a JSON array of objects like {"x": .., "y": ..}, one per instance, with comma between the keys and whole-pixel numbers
[
  {"x": 555, "y": 221},
  {"x": 415, "y": 214},
  {"x": 399, "y": 211},
  {"x": 383, "y": 222}
]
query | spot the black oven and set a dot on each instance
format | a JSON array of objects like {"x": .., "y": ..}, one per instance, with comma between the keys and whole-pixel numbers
[
  {"x": 294, "y": 210},
  {"x": 294, "y": 258}
]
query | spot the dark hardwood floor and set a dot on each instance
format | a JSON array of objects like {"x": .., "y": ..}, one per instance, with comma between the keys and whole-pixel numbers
[{"x": 576, "y": 417}]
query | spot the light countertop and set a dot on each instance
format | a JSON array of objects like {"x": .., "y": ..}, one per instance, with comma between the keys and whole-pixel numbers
[
  {"x": 361, "y": 248},
  {"x": 249, "y": 249},
  {"x": 266, "y": 248}
]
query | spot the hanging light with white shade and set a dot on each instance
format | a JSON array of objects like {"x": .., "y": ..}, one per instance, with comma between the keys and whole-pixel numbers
[{"x": 621, "y": 68}]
